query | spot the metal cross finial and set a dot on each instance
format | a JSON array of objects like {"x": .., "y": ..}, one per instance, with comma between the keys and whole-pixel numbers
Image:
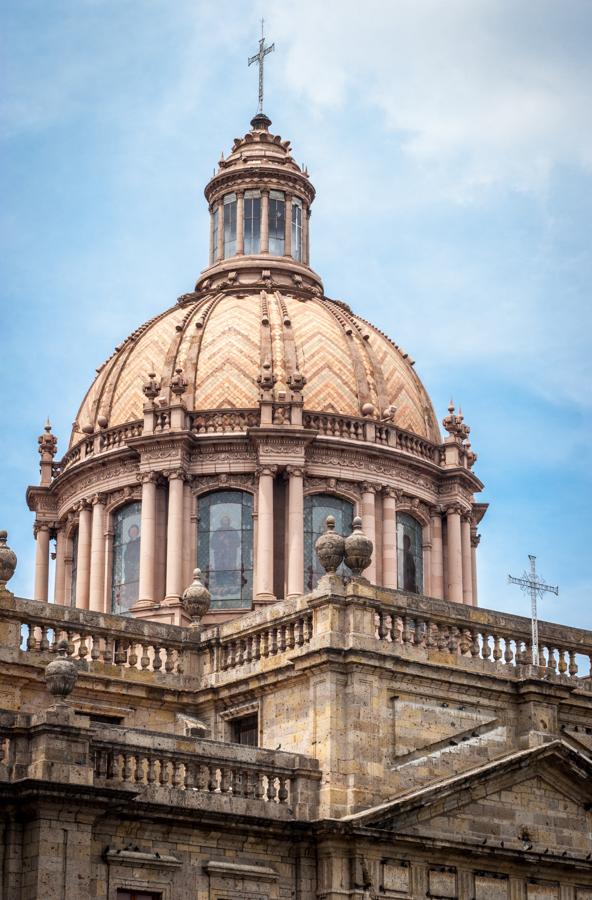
[
  {"x": 536, "y": 587},
  {"x": 260, "y": 58}
]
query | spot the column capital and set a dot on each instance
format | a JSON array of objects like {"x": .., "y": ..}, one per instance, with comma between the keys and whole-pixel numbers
[
  {"x": 98, "y": 498},
  {"x": 369, "y": 487},
  {"x": 82, "y": 505},
  {"x": 475, "y": 539},
  {"x": 453, "y": 509},
  {"x": 295, "y": 471},
  {"x": 147, "y": 477},
  {"x": 436, "y": 511},
  {"x": 176, "y": 474},
  {"x": 467, "y": 516},
  {"x": 266, "y": 470},
  {"x": 392, "y": 492},
  {"x": 40, "y": 526}
]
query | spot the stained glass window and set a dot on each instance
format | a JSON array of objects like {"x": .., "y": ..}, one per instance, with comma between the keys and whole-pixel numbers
[
  {"x": 74, "y": 571},
  {"x": 277, "y": 223},
  {"x": 252, "y": 218},
  {"x": 297, "y": 229},
  {"x": 125, "y": 576},
  {"x": 229, "y": 225},
  {"x": 225, "y": 547},
  {"x": 316, "y": 509},
  {"x": 409, "y": 554},
  {"x": 216, "y": 214}
]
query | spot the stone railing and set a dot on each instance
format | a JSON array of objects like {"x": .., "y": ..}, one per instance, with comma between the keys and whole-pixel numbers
[
  {"x": 421, "y": 623},
  {"x": 34, "y": 629},
  {"x": 114, "y": 438},
  {"x": 223, "y": 421},
  {"x": 370, "y": 431},
  {"x": 121, "y": 757},
  {"x": 287, "y": 634}
]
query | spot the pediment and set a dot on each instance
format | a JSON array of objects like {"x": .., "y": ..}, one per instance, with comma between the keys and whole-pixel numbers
[{"x": 539, "y": 799}]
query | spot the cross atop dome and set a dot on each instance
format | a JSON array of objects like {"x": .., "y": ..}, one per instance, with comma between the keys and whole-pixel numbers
[{"x": 259, "y": 58}]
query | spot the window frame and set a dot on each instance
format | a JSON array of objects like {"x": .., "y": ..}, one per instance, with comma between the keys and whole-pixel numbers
[
  {"x": 277, "y": 223},
  {"x": 229, "y": 225},
  {"x": 296, "y": 226},
  {"x": 247, "y": 586},
  {"x": 114, "y": 513},
  {"x": 402, "y": 515}
]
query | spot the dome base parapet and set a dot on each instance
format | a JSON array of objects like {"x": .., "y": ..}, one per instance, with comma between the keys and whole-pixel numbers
[{"x": 259, "y": 272}]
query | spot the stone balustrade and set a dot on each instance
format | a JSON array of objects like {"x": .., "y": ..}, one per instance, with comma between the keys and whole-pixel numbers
[
  {"x": 277, "y": 638},
  {"x": 223, "y": 421}
]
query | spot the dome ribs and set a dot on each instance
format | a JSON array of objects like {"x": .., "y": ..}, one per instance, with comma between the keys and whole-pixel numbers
[
  {"x": 266, "y": 356},
  {"x": 170, "y": 363},
  {"x": 289, "y": 344},
  {"x": 204, "y": 312},
  {"x": 363, "y": 386}
]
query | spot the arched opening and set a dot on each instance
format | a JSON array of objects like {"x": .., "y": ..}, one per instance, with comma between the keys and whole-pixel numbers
[
  {"x": 316, "y": 509},
  {"x": 225, "y": 547},
  {"x": 125, "y": 572},
  {"x": 409, "y": 554}
]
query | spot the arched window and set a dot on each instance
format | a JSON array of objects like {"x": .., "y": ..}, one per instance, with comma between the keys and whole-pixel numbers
[
  {"x": 316, "y": 509},
  {"x": 277, "y": 223},
  {"x": 229, "y": 225},
  {"x": 297, "y": 229},
  {"x": 125, "y": 574},
  {"x": 225, "y": 547},
  {"x": 252, "y": 218},
  {"x": 409, "y": 554},
  {"x": 74, "y": 570}
]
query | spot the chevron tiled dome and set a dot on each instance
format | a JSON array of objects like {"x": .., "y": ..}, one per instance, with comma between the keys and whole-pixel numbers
[{"x": 221, "y": 341}]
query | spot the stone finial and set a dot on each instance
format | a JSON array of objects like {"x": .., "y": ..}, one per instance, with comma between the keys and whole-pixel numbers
[
  {"x": 358, "y": 549},
  {"x": 330, "y": 547},
  {"x": 266, "y": 379},
  {"x": 179, "y": 383},
  {"x": 48, "y": 442},
  {"x": 296, "y": 382},
  {"x": 61, "y": 674},
  {"x": 196, "y": 599},
  {"x": 471, "y": 455},
  {"x": 454, "y": 424},
  {"x": 151, "y": 388},
  {"x": 7, "y": 560}
]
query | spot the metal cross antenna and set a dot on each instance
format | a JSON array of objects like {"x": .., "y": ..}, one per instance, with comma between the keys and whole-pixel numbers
[
  {"x": 536, "y": 587},
  {"x": 260, "y": 58}
]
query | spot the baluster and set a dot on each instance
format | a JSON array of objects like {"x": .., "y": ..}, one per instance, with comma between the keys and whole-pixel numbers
[
  {"x": 224, "y": 657},
  {"x": 120, "y": 653},
  {"x": 497, "y": 650},
  {"x": 475, "y": 645},
  {"x": 240, "y": 654},
  {"x": 283, "y": 791},
  {"x": 291, "y": 636},
  {"x": 486, "y": 650},
  {"x": 420, "y": 635},
  {"x": 226, "y": 776},
  {"x": 552, "y": 662},
  {"x": 308, "y": 627},
  {"x": 163, "y": 772},
  {"x": 465, "y": 641},
  {"x": 527, "y": 653},
  {"x": 299, "y": 632},
  {"x": 44, "y": 643},
  {"x": 442, "y": 637},
  {"x": 382, "y": 629},
  {"x": 508, "y": 652},
  {"x": 108, "y": 649},
  {"x": 249, "y": 648},
  {"x": 282, "y": 638},
  {"x": 274, "y": 642},
  {"x": 151, "y": 775},
  {"x": 237, "y": 782},
  {"x": 111, "y": 765},
  {"x": 543, "y": 661},
  {"x": 271, "y": 791},
  {"x": 55, "y": 638},
  {"x": 407, "y": 631},
  {"x": 259, "y": 786},
  {"x": 178, "y": 774},
  {"x": 573, "y": 666},
  {"x": 95, "y": 647},
  {"x": 430, "y": 642},
  {"x": 145, "y": 658},
  {"x": 562, "y": 667},
  {"x": 139, "y": 774},
  {"x": 190, "y": 775},
  {"x": 169, "y": 661},
  {"x": 132, "y": 659},
  {"x": 82, "y": 648},
  {"x": 249, "y": 785},
  {"x": 257, "y": 646},
  {"x": 31, "y": 642},
  {"x": 453, "y": 641},
  {"x": 157, "y": 661},
  {"x": 203, "y": 774}
]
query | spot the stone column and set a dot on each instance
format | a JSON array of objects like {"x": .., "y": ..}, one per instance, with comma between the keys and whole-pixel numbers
[
  {"x": 426, "y": 587},
  {"x": 188, "y": 559},
  {"x": 455, "y": 590},
  {"x": 108, "y": 568},
  {"x": 306, "y": 235},
  {"x": 147, "y": 538},
  {"x": 467, "y": 576},
  {"x": 288, "y": 230},
  {"x": 369, "y": 524},
  {"x": 240, "y": 223},
  {"x": 41, "y": 563},
  {"x": 264, "y": 246},
  {"x": 437, "y": 558},
  {"x": 265, "y": 534},
  {"x": 475, "y": 538},
  {"x": 295, "y": 531},
  {"x": 83, "y": 560},
  {"x": 59, "y": 588},
  {"x": 68, "y": 560},
  {"x": 174, "y": 568},
  {"x": 389, "y": 538},
  {"x": 220, "y": 247},
  {"x": 97, "y": 554},
  {"x": 212, "y": 248}
]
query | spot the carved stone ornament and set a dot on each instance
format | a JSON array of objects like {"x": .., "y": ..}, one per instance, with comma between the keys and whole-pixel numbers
[
  {"x": 7, "y": 560},
  {"x": 61, "y": 674},
  {"x": 48, "y": 442},
  {"x": 179, "y": 383},
  {"x": 151, "y": 388},
  {"x": 196, "y": 599},
  {"x": 358, "y": 549},
  {"x": 330, "y": 547}
]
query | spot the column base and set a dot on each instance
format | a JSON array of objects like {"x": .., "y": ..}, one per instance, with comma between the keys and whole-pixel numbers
[
  {"x": 141, "y": 606},
  {"x": 166, "y": 614},
  {"x": 171, "y": 600},
  {"x": 264, "y": 600}
]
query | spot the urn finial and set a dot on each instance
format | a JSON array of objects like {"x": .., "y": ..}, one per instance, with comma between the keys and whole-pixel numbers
[
  {"x": 61, "y": 674},
  {"x": 358, "y": 549},
  {"x": 7, "y": 560},
  {"x": 196, "y": 600},
  {"x": 330, "y": 547}
]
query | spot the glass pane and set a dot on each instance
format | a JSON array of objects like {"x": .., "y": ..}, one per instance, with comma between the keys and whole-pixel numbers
[
  {"x": 229, "y": 225},
  {"x": 297, "y": 229},
  {"x": 252, "y": 218},
  {"x": 277, "y": 220},
  {"x": 225, "y": 547},
  {"x": 409, "y": 554},
  {"x": 125, "y": 574},
  {"x": 74, "y": 567},
  {"x": 216, "y": 211},
  {"x": 316, "y": 509}
]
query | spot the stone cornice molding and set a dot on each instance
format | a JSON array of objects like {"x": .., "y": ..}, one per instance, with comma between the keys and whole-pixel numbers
[{"x": 204, "y": 484}]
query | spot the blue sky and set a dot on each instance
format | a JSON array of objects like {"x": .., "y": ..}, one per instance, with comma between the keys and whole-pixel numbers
[{"x": 450, "y": 142}]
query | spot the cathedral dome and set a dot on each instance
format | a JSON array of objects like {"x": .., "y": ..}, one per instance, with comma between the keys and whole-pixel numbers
[{"x": 224, "y": 344}]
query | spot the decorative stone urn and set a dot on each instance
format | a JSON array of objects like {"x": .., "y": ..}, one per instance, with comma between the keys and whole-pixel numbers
[
  {"x": 196, "y": 600},
  {"x": 61, "y": 674},
  {"x": 7, "y": 560},
  {"x": 358, "y": 549},
  {"x": 330, "y": 547}
]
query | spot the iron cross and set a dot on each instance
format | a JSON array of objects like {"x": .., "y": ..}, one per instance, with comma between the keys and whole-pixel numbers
[
  {"x": 260, "y": 58},
  {"x": 536, "y": 587}
]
